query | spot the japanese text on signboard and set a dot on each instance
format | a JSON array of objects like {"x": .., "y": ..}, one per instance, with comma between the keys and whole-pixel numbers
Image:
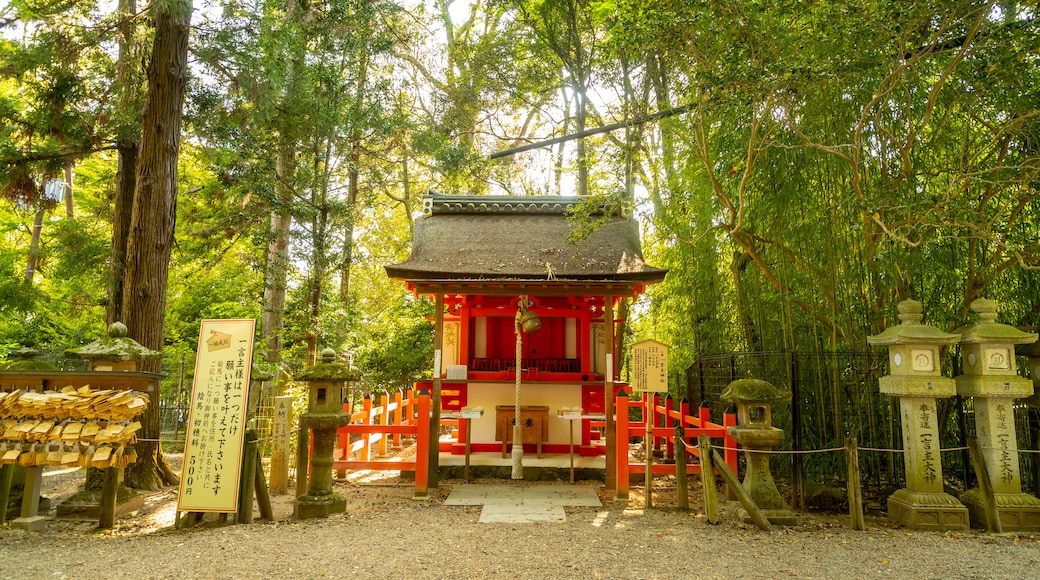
[{"x": 216, "y": 419}]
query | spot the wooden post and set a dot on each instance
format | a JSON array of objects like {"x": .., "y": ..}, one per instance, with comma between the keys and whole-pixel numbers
[
  {"x": 680, "y": 468},
  {"x": 854, "y": 491},
  {"x": 711, "y": 492},
  {"x": 109, "y": 489},
  {"x": 263, "y": 499},
  {"x": 465, "y": 473},
  {"x": 6, "y": 477},
  {"x": 248, "y": 479},
  {"x": 649, "y": 442},
  {"x": 280, "y": 445},
  {"x": 31, "y": 491},
  {"x": 757, "y": 517},
  {"x": 989, "y": 502}
]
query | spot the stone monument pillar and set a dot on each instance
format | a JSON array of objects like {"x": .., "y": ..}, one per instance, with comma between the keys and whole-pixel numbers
[
  {"x": 991, "y": 379},
  {"x": 755, "y": 433},
  {"x": 915, "y": 377},
  {"x": 325, "y": 381}
]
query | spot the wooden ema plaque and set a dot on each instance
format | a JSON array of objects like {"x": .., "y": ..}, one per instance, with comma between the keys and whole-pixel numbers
[{"x": 534, "y": 420}]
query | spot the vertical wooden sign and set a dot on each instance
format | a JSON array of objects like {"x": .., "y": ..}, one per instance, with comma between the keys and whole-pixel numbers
[
  {"x": 216, "y": 418},
  {"x": 650, "y": 366}
]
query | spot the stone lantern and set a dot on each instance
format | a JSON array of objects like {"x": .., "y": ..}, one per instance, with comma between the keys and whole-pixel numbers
[
  {"x": 115, "y": 352},
  {"x": 915, "y": 377},
  {"x": 27, "y": 359},
  {"x": 991, "y": 379},
  {"x": 326, "y": 381},
  {"x": 755, "y": 433}
]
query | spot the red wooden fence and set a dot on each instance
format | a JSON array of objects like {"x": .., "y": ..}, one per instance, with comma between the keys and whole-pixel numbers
[{"x": 663, "y": 419}]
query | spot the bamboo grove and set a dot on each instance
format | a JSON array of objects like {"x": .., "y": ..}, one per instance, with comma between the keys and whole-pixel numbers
[{"x": 830, "y": 158}]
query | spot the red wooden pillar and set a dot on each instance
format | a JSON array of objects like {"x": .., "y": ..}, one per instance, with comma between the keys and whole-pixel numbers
[
  {"x": 422, "y": 445},
  {"x": 621, "y": 406}
]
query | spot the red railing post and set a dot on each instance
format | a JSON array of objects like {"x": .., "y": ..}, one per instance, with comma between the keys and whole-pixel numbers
[
  {"x": 366, "y": 437},
  {"x": 398, "y": 416},
  {"x": 384, "y": 420},
  {"x": 621, "y": 445},
  {"x": 730, "y": 420},
  {"x": 422, "y": 443},
  {"x": 342, "y": 436},
  {"x": 670, "y": 423}
]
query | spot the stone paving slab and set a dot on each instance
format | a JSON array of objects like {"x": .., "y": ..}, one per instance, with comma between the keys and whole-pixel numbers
[
  {"x": 497, "y": 514},
  {"x": 523, "y": 504}
]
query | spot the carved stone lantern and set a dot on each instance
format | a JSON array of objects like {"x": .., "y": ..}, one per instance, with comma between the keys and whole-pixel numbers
[
  {"x": 915, "y": 377},
  {"x": 27, "y": 359},
  {"x": 991, "y": 379},
  {"x": 755, "y": 433},
  {"x": 326, "y": 383},
  {"x": 115, "y": 352}
]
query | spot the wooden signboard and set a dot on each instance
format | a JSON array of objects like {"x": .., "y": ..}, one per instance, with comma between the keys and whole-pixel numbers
[
  {"x": 216, "y": 419},
  {"x": 650, "y": 366}
]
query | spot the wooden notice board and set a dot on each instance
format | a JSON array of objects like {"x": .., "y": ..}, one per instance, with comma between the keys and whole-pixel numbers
[
  {"x": 650, "y": 366},
  {"x": 216, "y": 420}
]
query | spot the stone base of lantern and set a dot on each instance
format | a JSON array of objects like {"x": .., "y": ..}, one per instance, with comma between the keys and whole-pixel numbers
[
  {"x": 1019, "y": 512},
  {"x": 320, "y": 506},
  {"x": 932, "y": 511},
  {"x": 777, "y": 517}
]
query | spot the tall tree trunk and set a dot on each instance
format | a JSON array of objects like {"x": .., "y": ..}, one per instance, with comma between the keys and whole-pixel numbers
[
  {"x": 154, "y": 217},
  {"x": 126, "y": 148},
  {"x": 34, "y": 244},
  {"x": 122, "y": 207},
  {"x": 272, "y": 320},
  {"x": 70, "y": 211}
]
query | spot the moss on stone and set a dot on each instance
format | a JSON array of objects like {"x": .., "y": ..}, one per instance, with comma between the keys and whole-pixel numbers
[{"x": 753, "y": 390}]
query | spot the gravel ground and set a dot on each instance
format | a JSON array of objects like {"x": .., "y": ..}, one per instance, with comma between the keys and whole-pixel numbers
[{"x": 386, "y": 534}]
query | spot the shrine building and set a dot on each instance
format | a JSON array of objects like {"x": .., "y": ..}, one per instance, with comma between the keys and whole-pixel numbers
[{"x": 483, "y": 258}]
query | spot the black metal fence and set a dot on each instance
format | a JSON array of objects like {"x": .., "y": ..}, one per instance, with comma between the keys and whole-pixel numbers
[{"x": 835, "y": 395}]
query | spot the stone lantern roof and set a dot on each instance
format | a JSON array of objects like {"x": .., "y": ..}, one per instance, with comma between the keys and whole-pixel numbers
[
  {"x": 116, "y": 346},
  {"x": 25, "y": 359},
  {"x": 910, "y": 330},
  {"x": 745, "y": 391},
  {"x": 988, "y": 330},
  {"x": 328, "y": 370}
]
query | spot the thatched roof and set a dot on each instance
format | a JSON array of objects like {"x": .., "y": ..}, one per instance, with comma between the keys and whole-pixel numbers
[{"x": 523, "y": 238}]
